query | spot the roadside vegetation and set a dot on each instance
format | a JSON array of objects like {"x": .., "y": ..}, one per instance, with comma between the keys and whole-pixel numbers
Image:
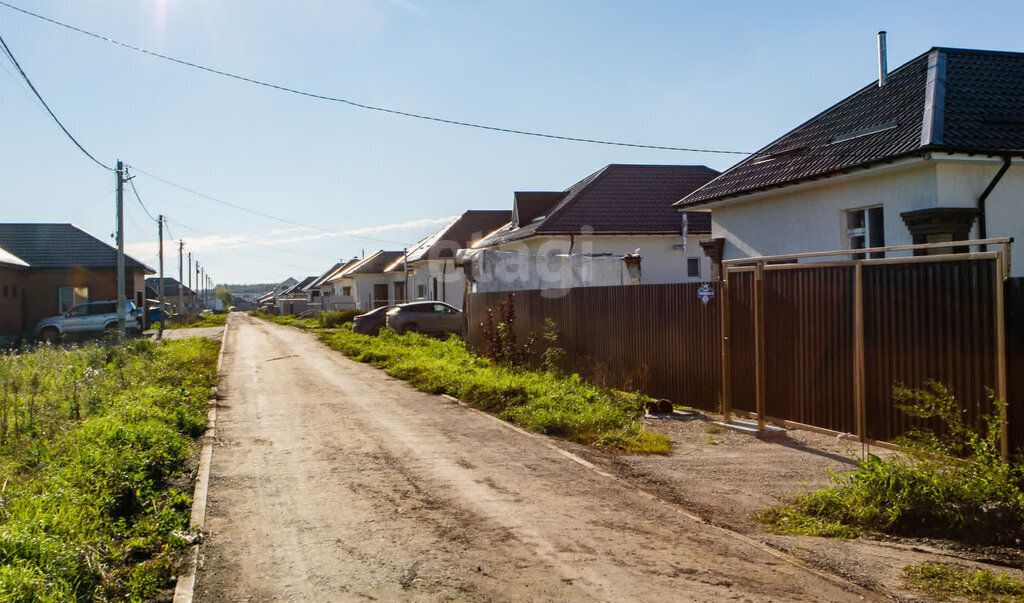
[
  {"x": 945, "y": 581},
  {"x": 952, "y": 486},
  {"x": 196, "y": 321},
  {"x": 546, "y": 401},
  {"x": 94, "y": 450}
]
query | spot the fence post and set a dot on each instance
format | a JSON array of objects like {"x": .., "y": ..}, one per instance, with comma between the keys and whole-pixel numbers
[
  {"x": 723, "y": 308},
  {"x": 860, "y": 414},
  {"x": 759, "y": 346},
  {"x": 1001, "y": 389}
]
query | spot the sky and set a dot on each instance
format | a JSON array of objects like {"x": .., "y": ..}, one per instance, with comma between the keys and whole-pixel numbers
[{"x": 333, "y": 181}]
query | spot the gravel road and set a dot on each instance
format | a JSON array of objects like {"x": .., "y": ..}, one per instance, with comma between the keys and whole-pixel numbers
[{"x": 331, "y": 481}]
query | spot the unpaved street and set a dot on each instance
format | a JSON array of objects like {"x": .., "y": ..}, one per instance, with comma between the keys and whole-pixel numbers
[{"x": 331, "y": 481}]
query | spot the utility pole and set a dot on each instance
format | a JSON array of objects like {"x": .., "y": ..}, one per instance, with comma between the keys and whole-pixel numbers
[
  {"x": 190, "y": 291},
  {"x": 160, "y": 222},
  {"x": 181, "y": 285},
  {"x": 202, "y": 289},
  {"x": 120, "y": 250},
  {"x": 195, "y": 292}
]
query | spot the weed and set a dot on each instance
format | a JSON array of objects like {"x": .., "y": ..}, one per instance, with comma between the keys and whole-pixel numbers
[
  {"x": 944, "y": 580},
  {"x": 333, "y": 319}
]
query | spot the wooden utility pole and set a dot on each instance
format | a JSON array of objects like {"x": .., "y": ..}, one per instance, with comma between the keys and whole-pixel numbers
[
  {"x": 119, "y": 173},
  {"x": 181, "y": 284},
  {"x": 160, "y": 223},
  {"x": 190, "y": 291}
]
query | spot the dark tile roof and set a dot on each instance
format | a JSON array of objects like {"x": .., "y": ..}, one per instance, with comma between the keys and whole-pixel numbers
[
  {"x": 376, "y": 263},
  {"x": 617, "y": 199},
  {"x": 61, "y": 246},
  {"x": 471, "y": 226},
  {"x": 299, "y": 286},
  {"x": 170, "y": 286},
  {"x": 946, "y": 100}
]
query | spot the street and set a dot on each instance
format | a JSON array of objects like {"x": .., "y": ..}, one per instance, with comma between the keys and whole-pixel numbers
[{"x": 332, "y": 481}]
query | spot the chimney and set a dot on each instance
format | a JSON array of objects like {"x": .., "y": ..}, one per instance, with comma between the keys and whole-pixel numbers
[{"x": 883, "y": 70}]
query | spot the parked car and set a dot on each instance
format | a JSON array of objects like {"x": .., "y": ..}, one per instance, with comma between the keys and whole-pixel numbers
[
  {"x": 372, "y": 322},
  {"x": 156, "y": 315},
  {"x": 430, "y": 317},
  {"x": 90, "y": 317}
]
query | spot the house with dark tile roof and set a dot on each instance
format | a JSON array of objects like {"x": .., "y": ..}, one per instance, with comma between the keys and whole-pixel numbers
[
  {"x": 430, "y": 264},
  {"x": 933, "y": 152},
  {"x": 171, "y": 290},
  {"x": 47, "y": 268},
  {"x": 368, "y": 283},
  {"x": 328, "y": 295},
  {"x": 616, "y": 226}
]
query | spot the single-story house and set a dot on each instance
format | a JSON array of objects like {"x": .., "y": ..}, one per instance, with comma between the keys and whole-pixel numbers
[
  {"x": 171, "y": 289},
  {"x": 335, "y": 290},
  {"x": 295, "y": 299},
  {"x": 370, "y": 286},
  {"x": 614, "y": 227},
  {"x": 45, "y": 269},
  {"x": 931, "y": 152},
  {"x": 430, "y": 264}
]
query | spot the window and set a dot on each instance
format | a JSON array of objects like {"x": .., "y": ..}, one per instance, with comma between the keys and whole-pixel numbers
[
  {"x": 865, "y": 228},
  {"x": 421, "y": 291},
  {"x": 72, "y": 296},
  {"x": 693, "y": 267},
  {"x": 346, "y": 291}
]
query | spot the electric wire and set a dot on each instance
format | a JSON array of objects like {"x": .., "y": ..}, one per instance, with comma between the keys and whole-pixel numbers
[
  {"x": 261, "y": 214},
  {"x": 136, "y": 192},
  {"x": 10, "y": 56},
  {"x": 453, "y": 122}
]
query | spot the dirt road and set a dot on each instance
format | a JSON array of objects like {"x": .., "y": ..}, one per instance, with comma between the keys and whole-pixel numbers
[{"x": 331, "y": 481}]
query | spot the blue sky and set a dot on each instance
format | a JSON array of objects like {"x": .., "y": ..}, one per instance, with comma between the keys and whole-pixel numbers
[{"x": 708, "y": 75}]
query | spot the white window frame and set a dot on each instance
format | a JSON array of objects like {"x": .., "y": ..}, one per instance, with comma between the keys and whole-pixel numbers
[{"x": 865, "y": 232}]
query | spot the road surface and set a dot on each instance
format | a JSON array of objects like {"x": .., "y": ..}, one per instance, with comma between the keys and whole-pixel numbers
[{"x": 332, "y": 482}]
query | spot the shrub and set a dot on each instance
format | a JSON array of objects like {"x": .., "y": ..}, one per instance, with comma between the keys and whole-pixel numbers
[
  {"x": 944, "y": 580},
  {"x": 332, "y": 319}
]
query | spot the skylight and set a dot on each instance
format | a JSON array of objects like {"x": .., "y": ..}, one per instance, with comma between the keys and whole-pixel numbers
[{"x": 864, "y": 132}]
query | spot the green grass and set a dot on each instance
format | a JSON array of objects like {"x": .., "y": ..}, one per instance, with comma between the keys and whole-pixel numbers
[
  {"x": 94, "y": 448},
  {"x": 944, "y": 581},
  {"x": 196, "y": 321},
  {"x": 546, "y": 402}
]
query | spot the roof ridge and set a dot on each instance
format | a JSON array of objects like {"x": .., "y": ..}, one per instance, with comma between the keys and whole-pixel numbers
[{"x": 571, "y": 196}]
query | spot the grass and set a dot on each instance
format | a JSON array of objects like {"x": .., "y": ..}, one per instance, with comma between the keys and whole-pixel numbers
[
  {"x": 944, "y": 581},
  {"x": 196, "y": 321},
  {"x": 94, "y": 449},
  {"x": 545, "y": 402},
  {"x": 975, "y": 497}
]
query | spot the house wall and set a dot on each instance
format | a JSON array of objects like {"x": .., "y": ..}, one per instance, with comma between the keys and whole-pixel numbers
[
  {"x": 810, "y": 217},
  {"x": 663, "y": 259},
  {"x": 44, "y": 288},
  {"x": 362, "y": 287},
  {"x": 451, "y": 281},
  {"x": 13, "y": 285}
]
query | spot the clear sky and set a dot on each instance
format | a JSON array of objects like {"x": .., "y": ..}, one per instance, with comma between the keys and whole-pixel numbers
[{"x": 719, "y": 75}]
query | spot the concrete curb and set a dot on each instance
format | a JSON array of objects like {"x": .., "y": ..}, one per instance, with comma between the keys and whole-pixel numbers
[{"x": 185, "y": 587}]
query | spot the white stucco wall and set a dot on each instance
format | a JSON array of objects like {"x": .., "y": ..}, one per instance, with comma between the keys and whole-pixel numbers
[
  {"x": 811, "y": 216},
  {"x": 451, "y": 281},
  {"x": 663, "y": 260}
]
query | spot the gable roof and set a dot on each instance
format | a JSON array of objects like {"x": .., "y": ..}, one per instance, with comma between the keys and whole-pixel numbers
[
  {"x": 170, "y": 286},
  {"x": 471, "y": 226},
  {"x": 332, "y": 272},
  {"x": 9, "y": 259},
  {"x": 617, "y": 199},
  {"x": 299, "y": 286},
  {"x": 947, "y": 100},
  {"x": 376, "y": 263},
  {"x": 61, "y": 246}
]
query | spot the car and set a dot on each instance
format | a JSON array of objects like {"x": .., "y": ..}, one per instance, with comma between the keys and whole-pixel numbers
[
  {"x": 372, "y": 322},
  {"x": 156, "y": 315},
  {"x": 88, "y": 317},
  {"x": 429, "y": 317}
]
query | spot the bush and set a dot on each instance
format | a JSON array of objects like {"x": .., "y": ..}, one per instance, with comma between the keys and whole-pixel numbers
[
  {"x": 924, "y": 491},
  {"x": 333, "y": 319}
]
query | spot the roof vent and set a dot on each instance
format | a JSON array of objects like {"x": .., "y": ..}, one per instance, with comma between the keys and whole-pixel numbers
[{"x": 883, "y": 69}]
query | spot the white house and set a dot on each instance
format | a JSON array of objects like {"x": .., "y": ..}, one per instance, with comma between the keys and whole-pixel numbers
[
  {"x": 614, "y": 227},
  {"x": 366, "y": 283},
  {"x": 333, "y": 292},
  {"x": 930, "y": 153},
  {"x": 430, "y": 265}
]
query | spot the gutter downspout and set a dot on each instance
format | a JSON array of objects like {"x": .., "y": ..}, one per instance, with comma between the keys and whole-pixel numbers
[{"x": 982, "y": 220}]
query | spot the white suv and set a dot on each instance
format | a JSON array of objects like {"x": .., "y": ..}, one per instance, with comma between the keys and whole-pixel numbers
[{"x": 90, "y": 317}]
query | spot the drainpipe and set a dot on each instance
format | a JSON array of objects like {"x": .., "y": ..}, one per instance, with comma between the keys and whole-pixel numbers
[{"x": 982, "y": 221}]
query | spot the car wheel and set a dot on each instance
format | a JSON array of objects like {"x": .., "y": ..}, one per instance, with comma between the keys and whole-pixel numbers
[
  {"x": 50, "y": 335},
  {"x": 409, "y": 328}
]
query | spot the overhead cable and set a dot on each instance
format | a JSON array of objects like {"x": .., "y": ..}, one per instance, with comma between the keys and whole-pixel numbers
[
  {"x": 10, "y": 56},
  {"x": 352, "y": 103}
]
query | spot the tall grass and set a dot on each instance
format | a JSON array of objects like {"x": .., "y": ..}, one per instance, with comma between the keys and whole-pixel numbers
[{"x": 94, "y": 451}]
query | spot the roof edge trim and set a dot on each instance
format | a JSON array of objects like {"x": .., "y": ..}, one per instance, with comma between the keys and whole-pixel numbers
[{"x": 934, "y": 99}]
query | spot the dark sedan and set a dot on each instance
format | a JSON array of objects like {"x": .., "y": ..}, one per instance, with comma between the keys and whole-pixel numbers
[
  {"x": 372, "y": 322},
  {"x": 429, "y": 317}
]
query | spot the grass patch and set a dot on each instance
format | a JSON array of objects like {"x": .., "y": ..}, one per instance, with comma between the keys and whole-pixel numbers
[
  {"x": 543, "y": 401},
  {"x": 944, "y": 581},
  {"x": 977, "y": 498},
  {"x": 197, "y": 321},
  {"x": 94, "y": 448}
]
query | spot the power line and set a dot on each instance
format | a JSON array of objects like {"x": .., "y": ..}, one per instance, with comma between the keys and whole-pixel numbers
[
  {"x": 358, "y": 105},
  {"x": 258, "y": 213},
  {"x": 131, "y": 181},
  {"x": 10, "y": 55}
]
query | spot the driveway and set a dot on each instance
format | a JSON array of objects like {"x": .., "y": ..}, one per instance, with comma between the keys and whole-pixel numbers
[{"x": 331, "y": 481}]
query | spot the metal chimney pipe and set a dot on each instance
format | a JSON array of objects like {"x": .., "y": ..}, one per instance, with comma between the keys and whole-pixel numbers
[{"x": 883, "y": 70}]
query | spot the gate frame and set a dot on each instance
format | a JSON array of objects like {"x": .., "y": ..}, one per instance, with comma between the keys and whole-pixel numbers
[{"x": 759, "y": 264}]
